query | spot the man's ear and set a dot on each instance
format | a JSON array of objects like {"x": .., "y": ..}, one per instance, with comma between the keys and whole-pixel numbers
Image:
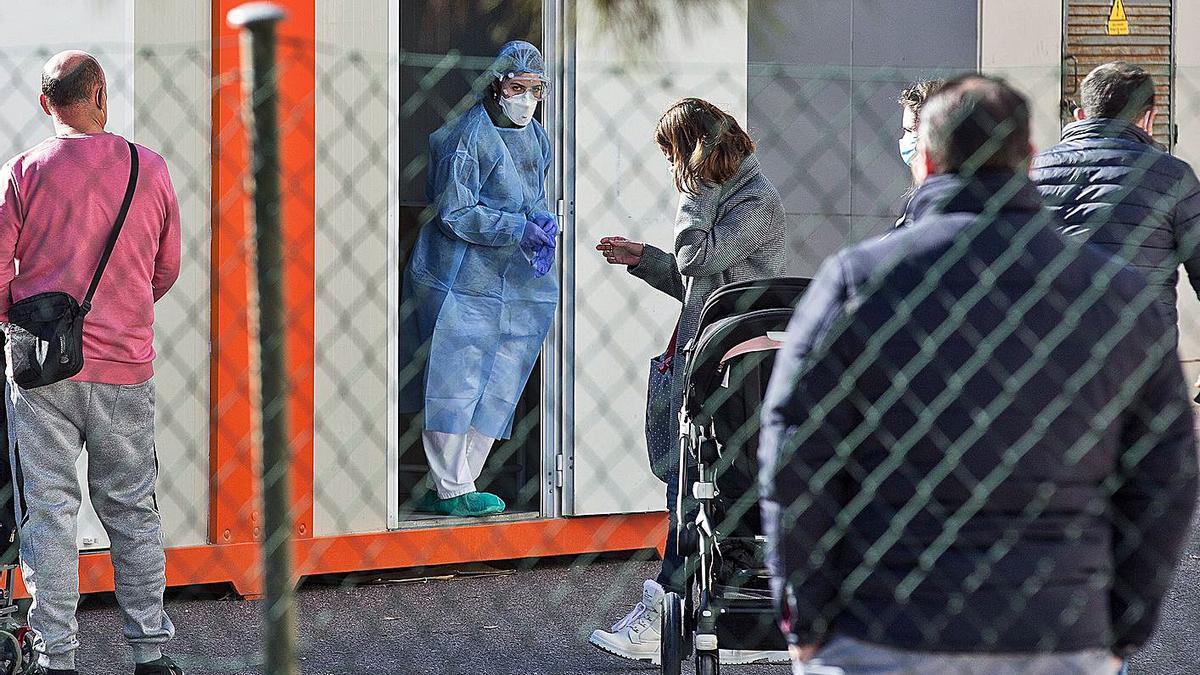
[
  {"x": 1032, "y": 154},
  {"x": 922, "y": 166},
  {"x": 45, "y": 103},
  {"x": 1147, "y": 121},
  {"x": 1080, "y": 115}
]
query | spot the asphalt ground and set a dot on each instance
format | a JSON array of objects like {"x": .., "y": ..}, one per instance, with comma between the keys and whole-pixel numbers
[{"x": 523, "y": 619}]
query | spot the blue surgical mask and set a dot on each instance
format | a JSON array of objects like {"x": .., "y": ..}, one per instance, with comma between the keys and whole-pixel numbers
[{"x": 908, "y": 148}]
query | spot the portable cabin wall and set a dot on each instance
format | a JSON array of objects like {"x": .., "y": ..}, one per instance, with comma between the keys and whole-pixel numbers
[
  {"x": 354, "y": 206},
  {"x": 157, "y": 62}
]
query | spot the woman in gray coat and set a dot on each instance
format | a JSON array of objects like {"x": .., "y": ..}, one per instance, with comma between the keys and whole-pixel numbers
[{"x": 729, "y": 227}]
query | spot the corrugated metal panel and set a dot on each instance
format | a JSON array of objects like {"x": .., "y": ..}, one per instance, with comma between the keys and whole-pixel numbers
[{"x": 1148, "y": 44}]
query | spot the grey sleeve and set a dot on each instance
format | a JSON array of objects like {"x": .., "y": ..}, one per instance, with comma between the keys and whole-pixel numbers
[
  {"x": 706, "y": 246},
  {"x": 658, "y": 269}
]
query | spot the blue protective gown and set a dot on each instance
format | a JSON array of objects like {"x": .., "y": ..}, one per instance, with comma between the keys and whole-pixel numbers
[{"x": 473, "y": 317}]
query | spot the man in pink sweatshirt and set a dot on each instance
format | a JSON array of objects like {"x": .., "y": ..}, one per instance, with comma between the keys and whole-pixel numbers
[{"x": 58, "y": 202}]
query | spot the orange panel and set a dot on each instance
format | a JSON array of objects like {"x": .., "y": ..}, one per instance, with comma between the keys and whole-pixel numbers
[
  {"x": 240, "y": 564},
  {"x": 297, "y": 119},
  {"x": 233, "y": 468},
  {"x": 501, "y": 541},
  {"x": 234, "y": 461}
]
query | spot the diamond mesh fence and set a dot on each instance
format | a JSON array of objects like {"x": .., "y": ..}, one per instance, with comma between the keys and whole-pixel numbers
[{"x": 906, "y": 499}]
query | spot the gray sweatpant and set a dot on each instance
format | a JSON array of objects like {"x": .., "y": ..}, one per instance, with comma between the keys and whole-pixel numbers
[{"x": 48, "y": 427}]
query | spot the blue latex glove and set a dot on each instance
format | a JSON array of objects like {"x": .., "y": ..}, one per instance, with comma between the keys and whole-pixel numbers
[
  {"x": 543, "y": 260},
  {"x": 535, "y": 238},
  {"x": 547, "y": 223}
]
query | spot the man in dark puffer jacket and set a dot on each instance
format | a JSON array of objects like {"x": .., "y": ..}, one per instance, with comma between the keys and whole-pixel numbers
[
  {"x": 977, "y": 454},
  {"x": 1113, "y": 186}
]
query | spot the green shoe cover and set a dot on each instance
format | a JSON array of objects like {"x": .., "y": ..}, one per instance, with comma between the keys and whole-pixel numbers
[{"x": 471, "y": 504}]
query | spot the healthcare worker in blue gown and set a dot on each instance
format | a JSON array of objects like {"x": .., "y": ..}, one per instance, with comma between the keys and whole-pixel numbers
[{"x": 479, "y": 291}]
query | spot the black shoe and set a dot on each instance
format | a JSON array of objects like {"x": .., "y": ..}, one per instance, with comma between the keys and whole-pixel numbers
[
  {"x": 163, "y": 666},
  {"x": 39, "y": 670}
]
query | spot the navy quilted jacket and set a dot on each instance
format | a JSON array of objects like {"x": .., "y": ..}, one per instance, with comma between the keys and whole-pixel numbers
[
  {"x": 918, "y": 496},
  {"x": 1114, "y": 187}
]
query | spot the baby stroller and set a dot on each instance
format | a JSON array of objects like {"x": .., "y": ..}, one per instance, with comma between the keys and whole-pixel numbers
[
  {"x": 727, "y": 602},
  {"x": 19, "y": 645}
]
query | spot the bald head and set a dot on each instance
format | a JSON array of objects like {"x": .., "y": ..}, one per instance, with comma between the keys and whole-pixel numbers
[
  {"x": 74, "y": 93},
  {"x": 71, "y": 77}
]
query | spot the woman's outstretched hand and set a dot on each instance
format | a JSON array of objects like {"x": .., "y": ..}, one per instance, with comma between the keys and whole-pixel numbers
[{"x": 621, "y": 251}]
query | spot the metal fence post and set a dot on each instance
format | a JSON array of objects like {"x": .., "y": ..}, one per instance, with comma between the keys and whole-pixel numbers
[{"x": 257, "y": 21}]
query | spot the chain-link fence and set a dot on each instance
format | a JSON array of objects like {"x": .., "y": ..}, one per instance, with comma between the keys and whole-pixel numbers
[{"x": 901, "y": 510}]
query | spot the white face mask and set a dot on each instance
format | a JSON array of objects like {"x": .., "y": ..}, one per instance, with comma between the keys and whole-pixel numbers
[{"x": 519, "y": 108}]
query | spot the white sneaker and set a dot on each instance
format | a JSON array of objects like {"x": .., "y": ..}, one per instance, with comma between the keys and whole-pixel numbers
[
  {"x": 736, "y": 657},
  {"x": 637, "y": 636}
]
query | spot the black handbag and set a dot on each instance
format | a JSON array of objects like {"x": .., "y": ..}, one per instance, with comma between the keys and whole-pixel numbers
[{"x": 46, "y": 330}]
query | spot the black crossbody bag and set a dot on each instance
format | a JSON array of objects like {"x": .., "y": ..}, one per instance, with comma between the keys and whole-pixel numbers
[{"x": 46, "y": 330}]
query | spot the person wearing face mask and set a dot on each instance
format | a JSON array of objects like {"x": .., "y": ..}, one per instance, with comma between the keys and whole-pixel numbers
[
  {"x": 730, "y": 225},
  {"x": 911, "y": 100},
  {"x": 478, "y": 293}
]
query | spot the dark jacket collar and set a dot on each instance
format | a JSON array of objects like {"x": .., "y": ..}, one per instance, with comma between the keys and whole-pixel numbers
[
  {"x": 954, "y": 193},
  {"x": 1106, "y": 127}
]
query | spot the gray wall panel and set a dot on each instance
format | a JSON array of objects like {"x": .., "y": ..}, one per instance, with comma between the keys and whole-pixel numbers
[
  {"x": 915, "y": 33},
  {"x": 824, "y": 77}
]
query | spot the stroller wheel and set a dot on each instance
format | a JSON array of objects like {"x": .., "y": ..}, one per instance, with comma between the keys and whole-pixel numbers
[
  {"x": 707, "y": 663},
  {"x": 10, "y": 654},
  {"x": 672, "y": 634}
]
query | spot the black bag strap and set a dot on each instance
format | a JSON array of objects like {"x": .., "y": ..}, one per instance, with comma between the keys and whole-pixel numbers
[{"x": 116, "y": 229}]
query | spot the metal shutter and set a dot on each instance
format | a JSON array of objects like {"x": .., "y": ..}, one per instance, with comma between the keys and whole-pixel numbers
[{"x": 1087, "y": 44}]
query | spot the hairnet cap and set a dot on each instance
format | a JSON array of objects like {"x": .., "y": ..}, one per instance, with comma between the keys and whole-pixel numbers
[{"x": 518, "y": 57}]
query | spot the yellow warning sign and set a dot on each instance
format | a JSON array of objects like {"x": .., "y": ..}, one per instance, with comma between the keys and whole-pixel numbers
[{"x": 1117, "y": 23}]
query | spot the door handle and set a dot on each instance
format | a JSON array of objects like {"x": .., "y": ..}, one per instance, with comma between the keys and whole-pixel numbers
[{"x": 1074, "y": 80}]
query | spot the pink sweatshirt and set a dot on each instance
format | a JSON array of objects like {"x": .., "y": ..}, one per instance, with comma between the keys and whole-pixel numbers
[{"x": 57, "y": 207}]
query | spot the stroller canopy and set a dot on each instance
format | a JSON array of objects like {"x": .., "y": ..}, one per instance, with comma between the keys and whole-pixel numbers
[{"x": 734, "y": 314}]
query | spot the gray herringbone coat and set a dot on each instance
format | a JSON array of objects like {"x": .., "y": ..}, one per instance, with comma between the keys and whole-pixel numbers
[{"x": 731, "y": 232}]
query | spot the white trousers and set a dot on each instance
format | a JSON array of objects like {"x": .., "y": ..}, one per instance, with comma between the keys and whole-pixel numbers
[{"x": 456, "y": 460}]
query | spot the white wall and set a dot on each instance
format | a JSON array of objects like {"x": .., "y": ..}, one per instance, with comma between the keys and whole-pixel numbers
[
  {"x": 31, "y": 31},
  {"x": 172, "y": 76},
  {"x": 161, "y": 99},
  {"x": 1187, "y": 116},
  {"x": 623, "y": 188},
  {"x": 1021, "y": 40},
  {"x": 352, "y": 225}
]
